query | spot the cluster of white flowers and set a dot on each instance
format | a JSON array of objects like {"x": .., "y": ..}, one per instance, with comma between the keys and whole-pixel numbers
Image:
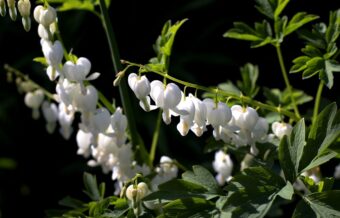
[
  {"x": 101, "y": 135},
  {"x": 238, "y": 125}
]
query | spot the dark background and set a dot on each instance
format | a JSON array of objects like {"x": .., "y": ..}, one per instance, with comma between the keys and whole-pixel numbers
[{"x": 45, "y": 168}]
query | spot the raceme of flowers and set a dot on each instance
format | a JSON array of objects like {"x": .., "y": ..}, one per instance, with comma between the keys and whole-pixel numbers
[{"x": 101, "y": 135}]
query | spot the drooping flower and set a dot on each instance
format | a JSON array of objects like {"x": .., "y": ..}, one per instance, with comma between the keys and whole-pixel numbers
[
  {"x": 140, "y": 85},
  {"x": 50, "y": 112},
  {"x": 165, "y": 97},
  {"x": 223, "y": 165},
  {"x": 34, "y": 100},
  {"x": 280, "y": 129}
]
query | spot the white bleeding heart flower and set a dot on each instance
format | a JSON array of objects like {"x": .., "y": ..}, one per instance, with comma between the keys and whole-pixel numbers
[
  {"x": 218, "y": 114},
  {"x": 200, "y": 117},
  {"x": 280, "y": 129},
  {"x": 141, "y": 87},
  {"x": 223, "y": 165},
  {"x": 165, "y": 97},
  {"x": 77, "y": 72},
  {"x": 45, "y": 16},
  {"x": 136, "y": 193},
  {"x": 187, "y": 108},
  {"x": 86, "y": 102},
  {"x": 100, "y": 120},
  {"x": 65, "y": 118},
  {"x": 119, "y": 125},
  {"x": 43, "y": 32},
  {"x": 260, "y": 130},
  {"x": 66, "y": 92},
  {"x": 34, "y": 100},
  {"x": 245, "y": 118},
  {"x": 84, "y": 141},
  {"x": 50, "y": 112},
  {"x": 53, "y": 52}
]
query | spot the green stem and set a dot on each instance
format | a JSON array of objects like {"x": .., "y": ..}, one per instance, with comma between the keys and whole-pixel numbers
[
  {"x": 244, "y": 99},
  {"x": 285, "y": 77},
  {"x": 317, "y": 101},
  {"x": 17, "y": 73},
  {"x": 155, "y": 137},
  {"x": 118, "y": 67}
]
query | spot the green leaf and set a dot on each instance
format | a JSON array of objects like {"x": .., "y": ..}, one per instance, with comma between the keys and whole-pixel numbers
[
  {"x": 317, "y": 141},
  {"x": 176, "y": 189},
  {"x": 287, "y": 192},
  {"x": 281, "y": 4},
  {"x": 91, "y": 187},
  {"x": 243, "y": 32},
  {"x": 170, "y": 37},
  {"x": 203, "y": 177},
  {"x": 313, "y": 66},
  {"x": 299, "y": 64},
  {"x": 302, "y": 210},
  {"x": 330, "y": 67},
  {"x": 324, "y": 204},
  {"x": 77, "y": 5},
  {"x": 189, "y": 207},
  {"x": 290, "y": 151},
  {"x": 71, "y": 202},
  {"x": 41, "y": 60},
  {"x": 250, "y": 74},
  {"x": 252, "y": 192},
  {"x": 320, "y": 159},
  {"x": 298, "y": 20},
  {"x": 266, "y": 7}
]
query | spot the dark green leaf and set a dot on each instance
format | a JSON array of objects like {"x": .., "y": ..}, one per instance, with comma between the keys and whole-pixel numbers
[
  {"x": 290, "y": 151},
  {"x": 91, "y": 187},
  {"x": 317, "y": 134},
  {"x": 189, "y": 207},
  {"x": 302, "y": 210},
  {"x": 330, "y": 67},
  {"x": 266, "y": 7},
  {"x": 71, "y": 202},
  {"x": 320, "y": 159},
  {"x": 203, "y": 177},
  {"x": 325, "y": 204},
  {"x": 252, "y": 192},
  {"x": 250, "y": 74},
  {"x": 287, "y": 192}
]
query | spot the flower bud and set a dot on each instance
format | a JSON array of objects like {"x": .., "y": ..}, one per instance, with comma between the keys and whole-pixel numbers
[
  {"x": 26, "y": 22},
  {"x": 2, "y": 8},
  {"x": 12, "y": 9},
  {"x": 36, "y": 13},
  {"x": 281, "y": 129},
  {"x": 47, "y": 16},
  {"x": 139, "y": 85},
  {"x": 34, "y": 99},
  {"x": 24, "y": 7}
]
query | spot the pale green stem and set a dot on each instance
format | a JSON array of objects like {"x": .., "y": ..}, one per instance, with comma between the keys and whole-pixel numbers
[
  {"x": 26, "y": 78},
  {"x": 317, "y": 101},
  {"x": 241, "y": 97},
  {"x": 155, "y": 137},
  {"x": 285, "y": 77}
]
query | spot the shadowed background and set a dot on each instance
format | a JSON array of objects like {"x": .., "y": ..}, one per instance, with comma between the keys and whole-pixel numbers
[{"x": 38, "y": 169}]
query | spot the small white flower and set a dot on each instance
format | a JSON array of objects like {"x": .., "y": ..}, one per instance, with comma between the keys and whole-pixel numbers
[
  {"x": 187, "y": 108},
  {"x": 77, "y": 72},
  {"x": 83, "y": 142},
  {"x": 119, "y": 125},
  {"x": 43, "y": 32},
  {"x": 165, "y": 97},
  {"x": 223, "y": 165},
  {"x": 245, "y": 118},
  {"x": 136, "y": 193},
  {"x": 281, "y": 129},
  {"x": 218, "y": 114},
  {"x": 65, "y": 118},
  {"x": 86, "y": 102},
  {"x": 200, "y": 116},
  {"x": 141, "y": 87},
  {"x": 34, "y": 100},
  {"x": 100, "y": 120},
  {"x": 45, "y": 16},
  {"x": 50, "y": 112}
]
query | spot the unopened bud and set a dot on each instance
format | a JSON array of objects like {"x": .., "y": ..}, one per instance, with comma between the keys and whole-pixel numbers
[
  {"x": 26, "y": 22},
  {"x": 2, "y": 8},
  {"x": 12, "y": 9},
  {"x": 24, "y": 7},
  {"x": 119, "y": 77},
  {"x": 9, "y": 77}
]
